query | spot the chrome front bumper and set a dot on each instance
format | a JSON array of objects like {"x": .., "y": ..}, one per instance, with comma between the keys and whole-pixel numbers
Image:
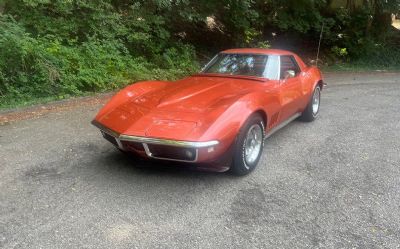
[{"x": 146, "y": 141}]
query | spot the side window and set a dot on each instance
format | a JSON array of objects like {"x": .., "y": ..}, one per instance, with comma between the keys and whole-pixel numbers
[{"x": 289, "y": 63}]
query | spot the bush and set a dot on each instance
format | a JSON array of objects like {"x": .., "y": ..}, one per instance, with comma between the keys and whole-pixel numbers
[
  {"x": 61, "y": 48},
  {"x": 44, "y": 66},
  {"x": 25, "y": 65},
  {"x": 379, "y": 55}
]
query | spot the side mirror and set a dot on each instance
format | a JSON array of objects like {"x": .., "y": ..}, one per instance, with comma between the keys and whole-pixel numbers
[{"x": 289, "y": 74}]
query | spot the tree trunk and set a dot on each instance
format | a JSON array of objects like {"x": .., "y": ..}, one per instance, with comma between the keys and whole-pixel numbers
[{"x": 382, "y": 21}]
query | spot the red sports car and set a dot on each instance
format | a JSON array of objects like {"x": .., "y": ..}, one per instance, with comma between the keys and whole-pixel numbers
[{"x": 219, "y": 118}]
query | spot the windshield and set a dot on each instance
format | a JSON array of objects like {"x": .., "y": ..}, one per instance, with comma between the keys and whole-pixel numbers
[{"x": 257, "y": 65}]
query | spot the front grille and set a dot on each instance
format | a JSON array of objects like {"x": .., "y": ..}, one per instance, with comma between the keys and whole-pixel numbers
[
  {"x": 110, "y": 138},
  {"x": 133, "y": 145},
  {"x": 171, "y": 152}
]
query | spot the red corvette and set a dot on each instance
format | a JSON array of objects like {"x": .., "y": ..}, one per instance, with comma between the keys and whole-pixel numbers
[{"x": 217, "y": 119}]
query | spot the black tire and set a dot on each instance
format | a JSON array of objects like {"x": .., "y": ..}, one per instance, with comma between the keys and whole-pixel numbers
[
  {"x": 308, "y": 114},
  {"x": 239, "y": 165}
]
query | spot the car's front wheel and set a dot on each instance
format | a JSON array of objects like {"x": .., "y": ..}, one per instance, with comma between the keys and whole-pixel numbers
[{"x": 249, "y": 146}]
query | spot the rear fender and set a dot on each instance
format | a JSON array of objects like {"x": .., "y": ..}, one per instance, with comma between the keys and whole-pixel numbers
[
  {"x": 316, "y": 77},
  {"x": 311, "y": 78}
]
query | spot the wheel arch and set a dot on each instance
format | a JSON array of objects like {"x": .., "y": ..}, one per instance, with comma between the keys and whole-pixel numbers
[
  {"x": 229, "y": 120},
  {"x": 320, "y": 83},
  {"x": 263, "y": 115}
]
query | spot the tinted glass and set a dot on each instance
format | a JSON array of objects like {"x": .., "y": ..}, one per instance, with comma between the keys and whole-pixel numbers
[
  {"x": 288, "y": 63},
  {"x": 238, "y": 64}
]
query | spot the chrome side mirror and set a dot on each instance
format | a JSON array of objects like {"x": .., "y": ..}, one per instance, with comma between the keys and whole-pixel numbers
[{"x": 289, "y": 74}]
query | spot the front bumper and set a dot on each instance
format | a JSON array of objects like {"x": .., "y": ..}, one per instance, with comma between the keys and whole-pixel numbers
[{"x": 157, "y": 148}]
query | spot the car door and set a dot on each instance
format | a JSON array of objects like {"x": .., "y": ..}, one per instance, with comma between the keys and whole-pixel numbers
[{"x": 290, "y": 87}]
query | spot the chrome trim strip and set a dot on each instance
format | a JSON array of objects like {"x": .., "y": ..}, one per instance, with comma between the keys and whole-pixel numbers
[
  {"x": 147, "y": 150},
  {"x": 119, "y": 144},
  {"x": 283, "y": 124},
  {"x": 160, "y": 141},
  {"x": 116, "y": 139},
  {"x": 176, "y": 143},
  {"x": 209, "y": 63},
  {"x": 147, "y": 140},
  {"x": 105, "y": 129}
]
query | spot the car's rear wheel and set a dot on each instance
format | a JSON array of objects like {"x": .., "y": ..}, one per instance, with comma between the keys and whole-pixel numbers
[
  {"x": 249, "y": 146},
  {"x": 312, "y": 109}
]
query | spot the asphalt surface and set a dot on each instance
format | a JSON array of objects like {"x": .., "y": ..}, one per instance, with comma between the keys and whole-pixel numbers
[{"x": 333, "y": 183}]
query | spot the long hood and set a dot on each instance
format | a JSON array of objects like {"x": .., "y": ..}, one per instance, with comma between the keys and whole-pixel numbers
[
  {"x": 193, "y": 94},
  {"x": 178, "y": 110}
]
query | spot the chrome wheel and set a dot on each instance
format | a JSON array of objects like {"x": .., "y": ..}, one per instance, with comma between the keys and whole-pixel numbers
[
  {"x": 253, "y": 144},
  {"x": 315, "y": 101}
]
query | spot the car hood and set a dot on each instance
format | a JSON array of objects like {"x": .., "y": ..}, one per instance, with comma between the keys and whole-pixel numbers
[
  {"x": 193, "y": 94},
  {"x": 178, "y": 108}
]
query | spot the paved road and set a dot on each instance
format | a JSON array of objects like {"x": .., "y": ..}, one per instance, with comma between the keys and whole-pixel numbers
[{"x": 333, "y": 183}]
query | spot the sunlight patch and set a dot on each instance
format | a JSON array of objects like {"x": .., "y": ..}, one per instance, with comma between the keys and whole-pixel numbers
[{"x": 396, "y": 23}]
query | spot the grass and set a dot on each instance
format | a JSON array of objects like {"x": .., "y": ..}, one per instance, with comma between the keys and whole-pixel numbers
[{"x": 9, "y": 103}]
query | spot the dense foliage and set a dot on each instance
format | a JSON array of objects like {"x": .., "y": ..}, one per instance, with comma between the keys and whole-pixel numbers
[{"x": 69, "y": 47}]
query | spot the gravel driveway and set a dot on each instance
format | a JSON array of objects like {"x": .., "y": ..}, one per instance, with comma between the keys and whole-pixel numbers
[{"x": 333, "y": 183}]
